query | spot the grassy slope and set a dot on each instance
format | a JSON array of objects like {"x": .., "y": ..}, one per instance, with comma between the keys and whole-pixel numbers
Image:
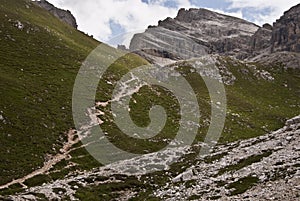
[
  {"x": 255, "y": 105},
  {"x": 262, "y": 105},
  {"x": 38, "y": 66}
]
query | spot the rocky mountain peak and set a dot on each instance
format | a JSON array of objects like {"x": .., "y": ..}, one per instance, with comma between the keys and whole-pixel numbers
[
  {"x": 64, "y": 15},
  {"x": 286, "y": 32},
  {"x": 195, "y": 14},
  {"x": 199, "y": 31}
]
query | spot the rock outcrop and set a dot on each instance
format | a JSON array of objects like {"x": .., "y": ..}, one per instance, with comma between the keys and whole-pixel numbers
[
  {"x": 286, "y": 31},
  {"x": 64, "y": 15},
  {"x": 262, "y": 168},
  {"x": 281, "y": 44},
  {"x": 196, "y": 32},
  {"x": 261, "y": 40}
]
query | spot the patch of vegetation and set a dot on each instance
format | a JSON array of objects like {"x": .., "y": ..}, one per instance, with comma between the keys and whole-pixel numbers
[
  {"x": 244, "y": 162},
  {"x": 242, "y": 185},
  {"x": 194, "y": 197},
  {"x": 40, "y": 196},
  {"x": 190, "y": 183},
  {"x": 59, "y": 174},
  {"x": 215, "y": 197},
  {"x": 37, "y": 180},
  {"x": 60, "y": 165},
  {"x": 108, "y": 191},
  {"x": 212, "y": 158},
  {"x": 59, "y": 190},
  {"x": 147, "y": 195},
  {"x": 260, "y": 104},
  {"x": 15, "y": 188}
]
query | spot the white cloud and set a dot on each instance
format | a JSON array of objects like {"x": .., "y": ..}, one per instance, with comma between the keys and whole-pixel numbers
[
  {"x": 94, "y": 16},
  {"x": 237, "y": 14},
  {"x": 276, "y": 8}
]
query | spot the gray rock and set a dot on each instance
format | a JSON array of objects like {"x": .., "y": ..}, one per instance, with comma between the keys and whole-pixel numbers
[
  {"x": 195, "y": 32},
  {"x": 295, "y": 120},
  {"x": 286, "y": 31},
  {"x": 261, "y": 39},
  {"x": 271, "y": 182}
]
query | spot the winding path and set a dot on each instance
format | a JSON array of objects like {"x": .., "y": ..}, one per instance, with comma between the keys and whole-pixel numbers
[{"x": 50, "y": 163}]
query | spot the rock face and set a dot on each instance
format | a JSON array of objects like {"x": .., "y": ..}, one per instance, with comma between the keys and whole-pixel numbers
[
  {"x": 196, "y": 32},
  {"x": 281, "y": 44},
  {"x": 261, "y": 39},
  {"x": 64, "y": 15},
  {"x": 286, "y": 32}
]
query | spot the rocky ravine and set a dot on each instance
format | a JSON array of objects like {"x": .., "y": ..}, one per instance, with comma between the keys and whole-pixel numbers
[{"x": 262, "y": 168}]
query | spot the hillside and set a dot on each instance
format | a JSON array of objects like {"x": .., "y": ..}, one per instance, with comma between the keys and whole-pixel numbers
[
  {"x": 40, "y": 57},
  {"x": 45, "y": 155}
]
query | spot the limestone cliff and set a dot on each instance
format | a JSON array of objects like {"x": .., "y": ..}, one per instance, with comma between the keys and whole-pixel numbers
[
  {"x": 195, "y": 32},
  {"x": 286, "y": 32}
]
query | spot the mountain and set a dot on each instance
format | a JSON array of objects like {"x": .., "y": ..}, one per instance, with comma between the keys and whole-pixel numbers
[
  {"x": 210, "y": 32},
  {"x": 278, "y": 43},
  {"x": 43, "y": 153},
  {"x": 213, "y": 33},
  {"x": 286, "y": 32}
]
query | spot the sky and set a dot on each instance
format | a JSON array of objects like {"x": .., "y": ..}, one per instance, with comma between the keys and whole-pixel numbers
[{"x": 115, "y": 21}]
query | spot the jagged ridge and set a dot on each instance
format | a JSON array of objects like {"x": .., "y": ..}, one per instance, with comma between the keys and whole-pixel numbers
[{"x": 200, "y": 31}]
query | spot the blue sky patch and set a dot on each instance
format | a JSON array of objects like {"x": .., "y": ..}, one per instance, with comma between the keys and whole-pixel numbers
[
  {"x": 166, "y": 3},
  {"x": 116, "y": 28},
  {"x": 216, "y": 4}
]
